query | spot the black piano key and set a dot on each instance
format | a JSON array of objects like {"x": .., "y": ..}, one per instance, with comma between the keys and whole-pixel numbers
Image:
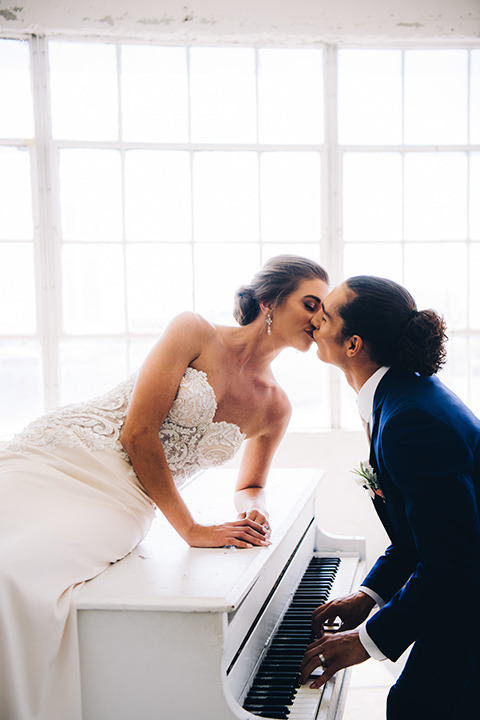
[{"x": 277, "y": 680}]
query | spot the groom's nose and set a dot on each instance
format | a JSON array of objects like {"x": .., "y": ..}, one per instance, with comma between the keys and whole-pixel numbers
[{"x": 316, "y": 320}]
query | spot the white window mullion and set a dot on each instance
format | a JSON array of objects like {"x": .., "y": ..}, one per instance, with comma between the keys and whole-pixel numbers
[
  {"x": 46, "y": 227},
  {"x": 332, "y": 194}
]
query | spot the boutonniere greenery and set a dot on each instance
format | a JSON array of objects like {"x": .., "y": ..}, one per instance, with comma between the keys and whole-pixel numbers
[{"x": 366, "y": 477}]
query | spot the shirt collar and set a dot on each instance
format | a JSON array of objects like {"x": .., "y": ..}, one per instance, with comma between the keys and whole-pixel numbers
[{"x": 367, "y": 393}]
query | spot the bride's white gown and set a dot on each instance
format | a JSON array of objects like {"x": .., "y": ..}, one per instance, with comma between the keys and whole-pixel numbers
[{"x": 71, "y": 504}]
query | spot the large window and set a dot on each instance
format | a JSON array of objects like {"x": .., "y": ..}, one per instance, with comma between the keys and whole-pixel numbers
[
  {"x": 138, "y": 181},
  {"x": 409, "y": 148}
]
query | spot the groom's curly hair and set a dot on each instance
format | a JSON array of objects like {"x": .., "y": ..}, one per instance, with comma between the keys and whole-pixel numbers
[{"x": 385, "y": 316}]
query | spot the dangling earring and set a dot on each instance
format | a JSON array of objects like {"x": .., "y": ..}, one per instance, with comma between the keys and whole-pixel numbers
[{"x": 269, "y": 321}]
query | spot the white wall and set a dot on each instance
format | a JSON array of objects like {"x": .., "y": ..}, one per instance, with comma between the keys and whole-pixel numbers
[{"x": 272, "y": 21}]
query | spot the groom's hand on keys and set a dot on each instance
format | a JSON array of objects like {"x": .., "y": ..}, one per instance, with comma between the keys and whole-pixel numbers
[
  {"x": 333, "y": 653},
  {"x": 342, "y": 614}
]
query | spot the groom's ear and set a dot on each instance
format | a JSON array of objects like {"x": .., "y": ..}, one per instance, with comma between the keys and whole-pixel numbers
[{"x": 354, "y": 345}]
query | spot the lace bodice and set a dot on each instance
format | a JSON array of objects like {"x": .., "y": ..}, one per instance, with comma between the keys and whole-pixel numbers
[{"x": 192, "y": 441}]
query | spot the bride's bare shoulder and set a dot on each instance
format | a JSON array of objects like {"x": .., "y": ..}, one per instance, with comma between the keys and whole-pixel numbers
[{"x": 191, "y": 322}]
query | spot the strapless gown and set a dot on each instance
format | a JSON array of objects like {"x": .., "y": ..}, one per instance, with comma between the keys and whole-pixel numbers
[{"x": 70, "y": 505}]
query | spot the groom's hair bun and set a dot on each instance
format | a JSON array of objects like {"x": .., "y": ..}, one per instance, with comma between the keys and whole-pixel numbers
[
  {"x": 278, "y": 278},
  {"x": 422, "y": 344},
  {"x": 385, "y": 316}
]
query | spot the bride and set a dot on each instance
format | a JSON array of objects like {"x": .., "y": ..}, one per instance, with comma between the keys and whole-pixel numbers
[{"x": 79, "y": 486}]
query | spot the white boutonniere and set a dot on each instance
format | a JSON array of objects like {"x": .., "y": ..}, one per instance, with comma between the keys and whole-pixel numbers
[{"x": 367, "y": 478}]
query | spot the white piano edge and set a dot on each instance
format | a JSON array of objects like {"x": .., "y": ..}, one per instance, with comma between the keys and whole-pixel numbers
[
  {"x": 333, "y": 544},
  {"x": 119, "y": 587}
]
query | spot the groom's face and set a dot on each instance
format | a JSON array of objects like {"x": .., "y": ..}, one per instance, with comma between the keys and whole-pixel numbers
[{"x": 328, "y": 323}]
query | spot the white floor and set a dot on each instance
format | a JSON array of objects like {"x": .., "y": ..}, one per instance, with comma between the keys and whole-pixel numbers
[{"x": 369, "y": 686}]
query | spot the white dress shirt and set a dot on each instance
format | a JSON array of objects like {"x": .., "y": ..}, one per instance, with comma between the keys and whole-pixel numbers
[{"x": 365, "y": 408}]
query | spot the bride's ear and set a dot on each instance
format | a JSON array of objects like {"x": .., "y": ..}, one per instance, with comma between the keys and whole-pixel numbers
[{"x": 266, "y": 308}]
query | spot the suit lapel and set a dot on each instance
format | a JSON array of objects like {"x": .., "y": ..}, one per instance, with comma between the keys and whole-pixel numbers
[{"x": 380, "y": 506}]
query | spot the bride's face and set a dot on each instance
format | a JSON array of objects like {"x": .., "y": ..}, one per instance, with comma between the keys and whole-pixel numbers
[{"x": 292, "y": 319}]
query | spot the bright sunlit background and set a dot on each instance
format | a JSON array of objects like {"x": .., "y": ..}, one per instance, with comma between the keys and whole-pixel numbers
[{"x": 139, "y": 180}]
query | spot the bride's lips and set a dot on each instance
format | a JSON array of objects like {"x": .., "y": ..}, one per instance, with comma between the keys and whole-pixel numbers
[{"x": 310, "y": 333}]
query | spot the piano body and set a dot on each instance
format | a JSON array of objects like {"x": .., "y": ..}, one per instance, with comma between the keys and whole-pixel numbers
[{"x": 173, "y": 632}]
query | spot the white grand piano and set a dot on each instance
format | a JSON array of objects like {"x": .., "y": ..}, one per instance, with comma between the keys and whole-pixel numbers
[{"x": 179, "y": 633}]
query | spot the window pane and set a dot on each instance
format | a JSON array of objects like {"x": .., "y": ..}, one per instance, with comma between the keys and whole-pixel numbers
[
  {"x": 436, "y": 275},
  {"x": 219, "y": 270},
  {"x": 21, "y": 397},
  {"x": 372, "y": 196},
  {"x": 305, "y": 380},
  {"x": 159, "y": 285},
  {"x": 474, "y": 203},
  {"x": 225, "y": 196},
  {"x": 475, "y": 97},
  {"x": 154, "y": 94},
  {"x": 290, "y": 92},
  {"x": 308, "y": 250},
  {"x": 17, "y": 289},
  {"x": 90, "y": 368},
  {"x": 455, "y": 371},
  {"x": 138, "y": 351},
  {"x": 223, "y": 95},
  {"x": 157, "y": 196},
  {"x": 436, "y": 96},
  {"x": 90, "y": 194},
  {"x": 16, "y": 221},
  {"x": 435, "y": 196},
  {"x": 474, "y": 298},
  {"x": 84, "y": 96},
  {"x": 370, "y": 96},
  {"x": 16, "y": 117},
  {"x": 93, "y": 289},
  {"x": 290, "y": 193},
  {"x": 380, "y": 259},
  {"x": 475, "y": 375}
]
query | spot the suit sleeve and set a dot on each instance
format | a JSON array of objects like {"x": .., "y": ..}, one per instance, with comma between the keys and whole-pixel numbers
[
  {"x": 391, "y": 571},
  {"x": 433, "y": 467}
]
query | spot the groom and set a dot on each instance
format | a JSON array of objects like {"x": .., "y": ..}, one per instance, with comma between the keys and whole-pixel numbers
[{"x": 425, "y": 455}]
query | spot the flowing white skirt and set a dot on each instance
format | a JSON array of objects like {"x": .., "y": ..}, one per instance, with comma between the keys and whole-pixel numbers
[{"x": 64, "y": 517}]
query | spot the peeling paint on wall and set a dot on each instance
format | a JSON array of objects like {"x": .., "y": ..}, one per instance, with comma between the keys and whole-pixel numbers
[
  {"x": 413, "y": 24},
  {"x": 11, "y": 13},
  {"x": 276, "y": 22},
  {"x": 156, "y": 21}
]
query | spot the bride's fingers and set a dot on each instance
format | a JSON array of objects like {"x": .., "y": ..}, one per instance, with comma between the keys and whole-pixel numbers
[
  {"x": 241, "y": 537},
  {"x": 259, "y": 517},
  {"x": 255, "y": 526}
]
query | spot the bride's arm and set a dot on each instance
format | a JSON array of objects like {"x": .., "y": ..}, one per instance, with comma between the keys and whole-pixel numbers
[
  {"x": 258, "y": 454},
  {"x": 153, "y": 395}
]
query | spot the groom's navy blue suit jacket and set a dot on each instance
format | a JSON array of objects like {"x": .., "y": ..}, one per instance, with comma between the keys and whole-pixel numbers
[{"x": 426, "y": 451}]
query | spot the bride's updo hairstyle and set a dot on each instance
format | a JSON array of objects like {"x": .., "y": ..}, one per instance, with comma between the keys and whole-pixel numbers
[
  {"x": 385, "y": 316},
  {"x": 278, "y": 278}
]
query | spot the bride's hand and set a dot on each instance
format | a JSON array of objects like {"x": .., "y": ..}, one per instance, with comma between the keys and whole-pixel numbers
[
  {"x": 258, "y": 516},
  {"x": 242, "y": 533}
]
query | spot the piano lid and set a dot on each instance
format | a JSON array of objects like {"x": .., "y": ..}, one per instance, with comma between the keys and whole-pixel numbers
[{"x": 164, "y": 574}]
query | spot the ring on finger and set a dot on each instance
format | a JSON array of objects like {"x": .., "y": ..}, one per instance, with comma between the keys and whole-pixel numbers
[{"x": 322, "y": 659}]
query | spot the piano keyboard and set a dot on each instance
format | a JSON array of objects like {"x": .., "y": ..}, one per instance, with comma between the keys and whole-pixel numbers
[{"x": 275, "y": 692}]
